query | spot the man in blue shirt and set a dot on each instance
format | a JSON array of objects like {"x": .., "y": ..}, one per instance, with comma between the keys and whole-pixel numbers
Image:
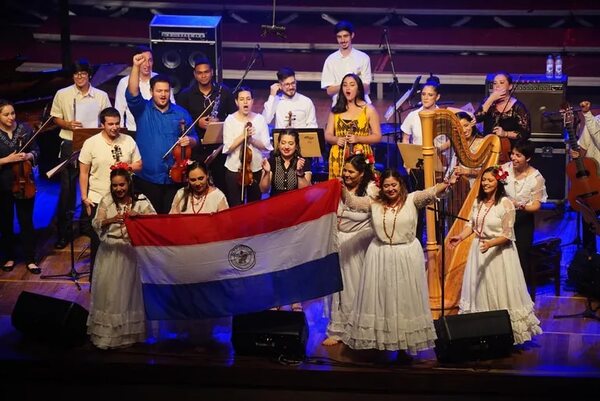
[{"x": 159, "y": 126}]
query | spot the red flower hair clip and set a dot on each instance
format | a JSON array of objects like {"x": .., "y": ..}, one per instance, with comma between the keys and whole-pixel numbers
[
  {"x": 500, "y": 175},
  {"x": 122, "y": 166}
]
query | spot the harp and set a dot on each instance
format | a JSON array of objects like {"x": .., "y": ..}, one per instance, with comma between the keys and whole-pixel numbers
[{"x": 444, "y": 122}]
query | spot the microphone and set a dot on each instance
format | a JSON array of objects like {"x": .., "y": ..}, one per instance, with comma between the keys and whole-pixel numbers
[
  {"x": 260, "y": 54},
  {"x": 383, "y": 36}
]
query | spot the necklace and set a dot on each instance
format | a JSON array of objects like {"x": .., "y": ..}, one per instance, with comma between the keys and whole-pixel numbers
[
  {"x": 479, "y": 225},
  {"x": 396, "y": 209},
  {"x": 201, "y": 200}
]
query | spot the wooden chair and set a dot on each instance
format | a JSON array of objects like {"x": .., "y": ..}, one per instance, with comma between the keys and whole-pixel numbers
[{"x": 544, "y": 262}]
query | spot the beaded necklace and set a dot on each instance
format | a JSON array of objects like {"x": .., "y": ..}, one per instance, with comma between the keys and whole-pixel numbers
[
  {"x": 479, "y": 225},
  {"x": 396, "y": 209},
  {"x": 201, "y": 202}
]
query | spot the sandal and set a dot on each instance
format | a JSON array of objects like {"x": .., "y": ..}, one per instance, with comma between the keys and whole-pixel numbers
[
  {"x": 33, "y": 268},
  {"x": 297, "y": 307},
  {"x": 8, "y": 266}
]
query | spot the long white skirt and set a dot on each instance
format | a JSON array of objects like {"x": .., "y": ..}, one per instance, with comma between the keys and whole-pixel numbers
[
  {"x": 117, "y": 316},
  {"x": 391, "y": 310},
  {"x": 352, "y": 250},
  {"x": 494, "y": 281}
]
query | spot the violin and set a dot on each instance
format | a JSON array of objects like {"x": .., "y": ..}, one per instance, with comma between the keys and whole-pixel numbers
[
  {"x": 245, "y": 175},
  {"x": 181, "y": 154},
  {"x": 23, "y": 186}
]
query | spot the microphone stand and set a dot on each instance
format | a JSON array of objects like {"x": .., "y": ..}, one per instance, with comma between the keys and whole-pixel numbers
[{"x": 395, "y": 91}]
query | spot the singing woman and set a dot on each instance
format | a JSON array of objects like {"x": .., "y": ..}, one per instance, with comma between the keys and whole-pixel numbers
[{"x": 198, "y": 197}]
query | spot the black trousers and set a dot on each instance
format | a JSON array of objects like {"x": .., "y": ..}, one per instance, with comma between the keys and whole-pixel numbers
[
  {"x": 234, "y": 189},
  {"x": 524, "y": 228},
  {"x": 160, "y": 195},
  {"x": 24, "y": 208},
  {"x": 68, "y": 188},
  {"x": 85, "y": 226}
]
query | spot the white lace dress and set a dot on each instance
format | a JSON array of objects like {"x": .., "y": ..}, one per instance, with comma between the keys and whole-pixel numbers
[
  {"x": 117, "y": 315},
  {"x": 494, "y": 280},
  {"x": 354, "y": 235},
  {"x": 391, "y": 309}
]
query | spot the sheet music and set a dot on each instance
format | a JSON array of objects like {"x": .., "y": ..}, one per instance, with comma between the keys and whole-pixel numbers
[{"x": 390, "y": 111}]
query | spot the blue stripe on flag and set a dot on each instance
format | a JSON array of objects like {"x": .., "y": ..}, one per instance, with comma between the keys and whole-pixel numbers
[{"x": 310, "y": 280}]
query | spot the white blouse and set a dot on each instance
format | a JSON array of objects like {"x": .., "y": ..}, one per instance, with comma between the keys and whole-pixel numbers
[
  {"x": 232, "y": 128},
  {"x": 527, "y": 189}
]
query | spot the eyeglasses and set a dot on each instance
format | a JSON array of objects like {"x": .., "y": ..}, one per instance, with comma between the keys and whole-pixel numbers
[
  {"x": 81, "y": 74},
  {"x": 289, "y": 84}
]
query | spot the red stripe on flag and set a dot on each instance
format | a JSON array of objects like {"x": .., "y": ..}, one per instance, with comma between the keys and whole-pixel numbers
[{"x": 281, "y": 211}]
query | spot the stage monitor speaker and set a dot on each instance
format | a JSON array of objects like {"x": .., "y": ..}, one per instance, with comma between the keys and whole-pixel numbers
[
  {"x": 177, "y": 40},
  {"x": 542, "y": 96},
  {"x": 270, "y": 333},
  {"x": 473, "y": 336},
  {"x": 551, "y": 158},
  {"x": 584, "y": 273},
  {"x": 49, "y": 319}
]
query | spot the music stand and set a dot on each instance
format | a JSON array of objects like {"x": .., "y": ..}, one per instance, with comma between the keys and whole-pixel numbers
[
  {"x": 312, "y": 140},
  {"x": 73, "y": 274},
  {"x": 213, "y": 134},
  {"x": 412, "y": 156}
]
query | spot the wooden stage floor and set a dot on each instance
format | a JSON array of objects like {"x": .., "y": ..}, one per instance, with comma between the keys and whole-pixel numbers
[{"x": 184, "y": 361}]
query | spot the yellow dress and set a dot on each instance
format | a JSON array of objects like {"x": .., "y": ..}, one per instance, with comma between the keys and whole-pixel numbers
[{"x": 342, "y": 127}]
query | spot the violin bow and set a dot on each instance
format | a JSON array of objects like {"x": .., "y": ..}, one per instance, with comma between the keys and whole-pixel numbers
[
  {"x": 34, "y": 135},
  {"x": 192, "y": 125}
]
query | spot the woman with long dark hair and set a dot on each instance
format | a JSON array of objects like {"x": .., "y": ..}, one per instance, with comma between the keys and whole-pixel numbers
[
  {"x": 117, "y": 318},
  {"x": 286, "y": 169},
  {"x": 354, "y": 235},
  {"x": 198, "y": 196},
  {"x": 391, "y": 308},
  {"x": 353, "y": 125},
  {"x": 493, "y": 279}
]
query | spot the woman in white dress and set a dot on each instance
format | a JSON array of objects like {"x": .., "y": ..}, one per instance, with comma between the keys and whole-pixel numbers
[
  {"x": 391, "y": 309},
  {"x": 493, "y": 279},
  {"x": 198, "y": 197},
  {"x": 526, "y": 188},
  {"x": 354, "y": 235},
  {"x": 117, "y": 317}
]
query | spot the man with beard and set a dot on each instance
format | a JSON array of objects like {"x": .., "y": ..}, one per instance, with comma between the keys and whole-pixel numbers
[
  {"x": 195, "y": 99},
  {"x": 158, "y": 128},
  {"x": 98, "y": 154},
  {"x": 73, "y": 107},
  {"x": 290, "y": 108}
]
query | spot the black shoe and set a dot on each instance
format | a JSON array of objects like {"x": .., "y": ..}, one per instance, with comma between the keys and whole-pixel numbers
[
  {"x": 60, "y": 243},
  {"x": 33, "y": 268},
  {"x": 7, "y": 267}
]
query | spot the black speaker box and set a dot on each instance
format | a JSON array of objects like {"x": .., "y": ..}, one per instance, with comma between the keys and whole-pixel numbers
[
  {"x": 57, "y": 321},
  {"x": 551, "y": 158},
  {"x": 473, "y": 336},
  {"x": 177, "y": 40},
  {"x": 584, "y": 273},
  {"x": 270, "y": 333},
  {"x": 542, "y": 96}
]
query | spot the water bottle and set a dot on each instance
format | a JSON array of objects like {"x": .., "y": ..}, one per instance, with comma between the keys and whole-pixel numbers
[
  {"x": 558, "y": 68},
  {"x": 549, "y": 66}
]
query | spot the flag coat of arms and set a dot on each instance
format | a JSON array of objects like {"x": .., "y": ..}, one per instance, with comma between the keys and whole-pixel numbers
[{"x": 245, "y": 259}]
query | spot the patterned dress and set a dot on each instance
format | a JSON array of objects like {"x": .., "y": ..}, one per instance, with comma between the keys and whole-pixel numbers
[{"x": 343, "y": 127}]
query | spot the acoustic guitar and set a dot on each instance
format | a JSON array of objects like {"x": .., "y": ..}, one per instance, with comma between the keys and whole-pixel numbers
[{"x": 582, "y": 172}]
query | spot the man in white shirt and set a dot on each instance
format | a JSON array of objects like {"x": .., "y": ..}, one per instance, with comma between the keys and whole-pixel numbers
[
  {"x": 290, "y": 108},
  {"x": 73, "y": 107},
  {"x": 97, "y": 155},
  {"x": 589, "y": 146},
  {"x": 145, "y": 74},
  {"x": 344, "y": 61}
]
